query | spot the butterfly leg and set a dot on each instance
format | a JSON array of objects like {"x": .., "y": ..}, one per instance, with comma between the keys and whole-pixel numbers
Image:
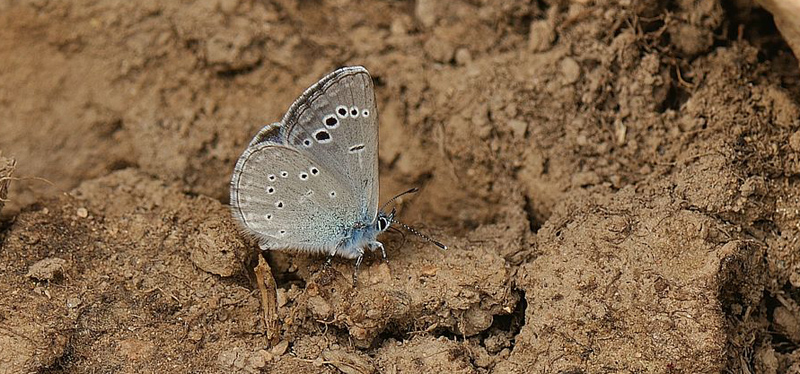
[
  {"x": 355, "y": 270},
  {"x": 377, "y": 244},
  {"x": 329, "y": 258}
]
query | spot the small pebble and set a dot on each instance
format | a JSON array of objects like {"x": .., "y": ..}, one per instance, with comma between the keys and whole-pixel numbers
[
  {"x": 319, "y": 307},
  {"x": 281, "y": 298},
  {"x": 398, "y": 27},
  {"x": 257, "y": 361},
  {"x": 519, "y": 128},
  {"x": 541, "y": 36},
  {"x": 426, "y": 12},
  {"x": 266, "y": 354},
  {"x": 280, "y": 348},
  {"x": 83, "y": 213},
  {"x": 73, "y": 302},
  {"x": 228, "y": 6},
  {"x": 428, "y": 270},
  {"x": 620, "y": 131},
  {"x": 195, "y": 335},
  {"x": 463, "y": 56},
  {"x": 358, "y": 332},
  {"x": 794, "y": 141},
  {"x": 787, "y": 323},
  {"x": 47, "y": 269},
  {"x": 439, "y": 50},
  {"x": 570, "y": 70},
  {"x": 794, "y": 278}
]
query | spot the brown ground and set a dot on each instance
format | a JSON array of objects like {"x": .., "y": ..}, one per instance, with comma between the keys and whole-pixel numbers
[{"x": 619, "y": 183}]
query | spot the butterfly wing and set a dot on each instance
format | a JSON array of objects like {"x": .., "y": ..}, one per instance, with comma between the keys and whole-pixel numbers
[
  {"x": 305, "y": 182},
  {"x": 286, "y": 199},
  {"x": 335, "y": 123}
]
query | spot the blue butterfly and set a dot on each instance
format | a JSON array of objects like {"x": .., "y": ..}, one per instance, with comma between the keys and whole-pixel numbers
[{"x": 310, "y": 182}]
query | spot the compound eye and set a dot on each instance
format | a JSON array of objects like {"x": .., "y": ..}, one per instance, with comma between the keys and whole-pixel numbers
[{"x": 382, "y": 224}]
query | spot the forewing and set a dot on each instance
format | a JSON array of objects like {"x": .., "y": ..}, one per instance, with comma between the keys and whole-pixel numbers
[
  {"x": 335, "y": 123},
  {"x": 288, "y": 200}
]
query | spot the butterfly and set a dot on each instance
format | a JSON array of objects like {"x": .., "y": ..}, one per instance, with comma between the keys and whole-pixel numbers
[{"x": 310, "y": 182}]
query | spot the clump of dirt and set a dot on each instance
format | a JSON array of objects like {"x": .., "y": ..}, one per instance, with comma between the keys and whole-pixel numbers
[
  {"x": 7, "y": 167},
  {"x": 616, "y": 182}
]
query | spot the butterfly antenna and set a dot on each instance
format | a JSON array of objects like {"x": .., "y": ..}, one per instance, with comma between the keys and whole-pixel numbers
[
  {"x": 413, "y": 190},
  {"x": 421, "y": 235}
]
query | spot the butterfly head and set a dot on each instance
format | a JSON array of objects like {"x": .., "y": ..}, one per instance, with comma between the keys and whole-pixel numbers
[{"x": 384, "y": 220}]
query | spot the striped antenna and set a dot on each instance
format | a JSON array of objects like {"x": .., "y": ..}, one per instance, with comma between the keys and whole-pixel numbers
[
  {"x": 423, "y": 236},
  {"x": 413, "y": 190},
  {"x": 407, "y": 227}
]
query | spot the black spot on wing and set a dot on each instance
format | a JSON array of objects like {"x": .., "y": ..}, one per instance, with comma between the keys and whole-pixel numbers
[{"x": 322, "y": 136}]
